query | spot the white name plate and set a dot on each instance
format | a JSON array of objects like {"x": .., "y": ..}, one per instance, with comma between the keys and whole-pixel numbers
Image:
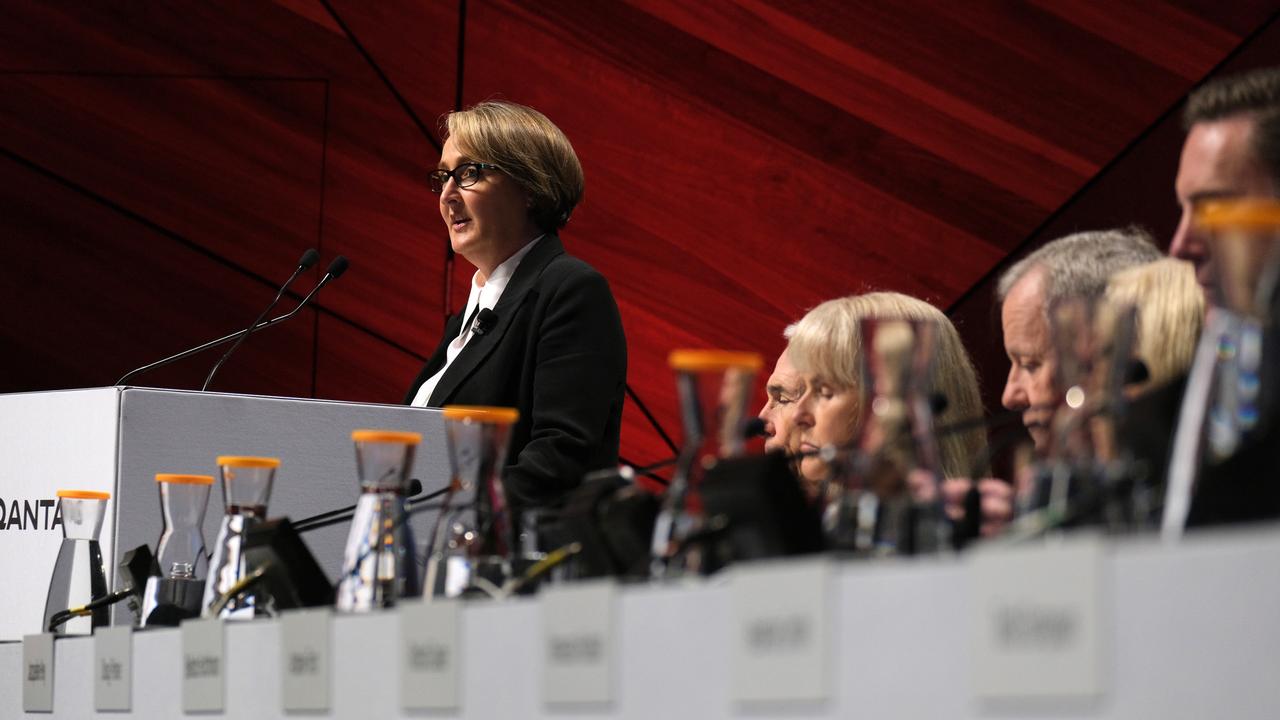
[
  {"x": 203, "y": 666},
  {"x": 305, "y": 639},
  {"x": 430, "y": 643},
  {"x": 113, "y": 669},
  {"x": 579, "y": 650},
  {"x": 781, "y": 630},
  {"x": 37, "y": 673},
  {"x": 1039, "y": 622}
]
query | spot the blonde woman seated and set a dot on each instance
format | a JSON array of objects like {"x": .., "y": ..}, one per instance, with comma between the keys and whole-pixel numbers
[
  {"x": 826, "y": 350},
  {"x": 1170, "y": 312}
]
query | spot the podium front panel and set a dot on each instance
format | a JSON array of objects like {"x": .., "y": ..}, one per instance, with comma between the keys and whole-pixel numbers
[{"x": 48, "y": 441}]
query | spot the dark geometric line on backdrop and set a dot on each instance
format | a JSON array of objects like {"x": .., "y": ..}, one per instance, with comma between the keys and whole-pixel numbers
[
  {"x": 413, "y": 116},
  {"x": 404, "y": 104},
  {"x": 647, "y": 473},
  {"x": 158, "y": 76},
  {"x": 191, "y": 245},
  {"x": 462, "y": 50},
  {"x": 1097, "y": 177},
  {"x": 130, "y": 214},
  {"x": 324, "y": 163},
  {"x": 446, "y": 303},
  {"x": 650, "y": 417}
]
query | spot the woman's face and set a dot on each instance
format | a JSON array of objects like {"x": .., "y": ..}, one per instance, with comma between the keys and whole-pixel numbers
[
  {"x": 488, "y": 221},
  {"x": 824, "y": 415}
]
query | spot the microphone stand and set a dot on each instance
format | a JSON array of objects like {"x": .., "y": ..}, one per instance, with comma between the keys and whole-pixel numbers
[
  {"x": 333, "y": 517},
  {"x": 413, "y": 508}
]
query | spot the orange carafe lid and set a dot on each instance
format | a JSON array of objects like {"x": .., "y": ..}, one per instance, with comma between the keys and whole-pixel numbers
[
  {"x": 84, "y": 495},
  {"x": 386, "y": 436},
  {"x": 179, "y": 479},
  {"x": 711, "y": 360},
  {"x": 481, "y": 413},
  {"x": 246, "y": 461}
]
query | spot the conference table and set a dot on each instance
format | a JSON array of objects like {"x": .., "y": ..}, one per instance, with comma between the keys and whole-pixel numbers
[{"x": 1081, "y": 626}]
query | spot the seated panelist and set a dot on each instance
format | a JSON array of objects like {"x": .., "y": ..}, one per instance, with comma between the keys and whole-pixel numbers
[
  {"x": 1075, "y": 266},
  {"x": 541, "y": 331},
  {"x": 825, "y": 348},
  {"x": 783, "y": 388},
  {"x": 1170, "y": 311}
]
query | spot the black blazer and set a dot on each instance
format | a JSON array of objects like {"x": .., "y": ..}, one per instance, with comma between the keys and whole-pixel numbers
[{"x": 557, "y": 353}]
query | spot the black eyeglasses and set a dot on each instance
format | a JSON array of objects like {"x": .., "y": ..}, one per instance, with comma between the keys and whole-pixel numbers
[{"x": 466, "y": 175}]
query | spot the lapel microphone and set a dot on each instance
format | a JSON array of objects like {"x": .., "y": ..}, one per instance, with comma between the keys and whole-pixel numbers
[{"x": 485, "y": 320}]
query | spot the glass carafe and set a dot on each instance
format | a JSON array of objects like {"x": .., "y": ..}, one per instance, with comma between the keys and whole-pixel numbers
[
  {"x": 1086, "y": 477},
  {"x": 379, "y": 564},
  {"x": 714, "y": 386},
  {"x": 78, "y": 574},
  {"x": 472, "y": 544},
  {"x": 1232, "y": 401},
  {"x": 884, "y": 494},
  {"x": 246, "y": 487},
  {"x": 181, "y": 553}
]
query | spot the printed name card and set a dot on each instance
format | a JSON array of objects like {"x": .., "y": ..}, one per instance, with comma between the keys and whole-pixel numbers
[
  {"x": 579, "y": 650},
  {"x": 1038, "y": 622},
  {"x": 203, "y": 666},
  {"x": 37, "y": 673},
  {"x": 113, "y": 669},
  {"x": 781, "y": 631},
  {"x": 430, "y": 642},
  {"x": 305, "y": 638}
]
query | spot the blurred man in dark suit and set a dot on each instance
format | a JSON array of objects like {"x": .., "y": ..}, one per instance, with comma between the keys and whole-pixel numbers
[{"x": 1232, "y": 150}]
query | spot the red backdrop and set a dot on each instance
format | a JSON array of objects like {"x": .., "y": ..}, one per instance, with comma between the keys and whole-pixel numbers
[{"x": 163, "y": 164}]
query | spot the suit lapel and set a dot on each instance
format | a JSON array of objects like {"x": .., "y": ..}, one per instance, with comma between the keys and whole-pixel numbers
[{"x": 517, "y": 291}]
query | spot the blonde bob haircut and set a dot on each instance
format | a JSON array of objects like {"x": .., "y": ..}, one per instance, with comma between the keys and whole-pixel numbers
[
  {"x": 827, "y": 343},
  {"x": 528, "y": 148},
  {"x": 1170, "y": 311}
]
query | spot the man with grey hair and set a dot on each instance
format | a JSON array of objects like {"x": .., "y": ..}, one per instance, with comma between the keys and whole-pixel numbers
[
  {"x": 1073, "y": 266},
  {"x": 1232, "y": 150}
]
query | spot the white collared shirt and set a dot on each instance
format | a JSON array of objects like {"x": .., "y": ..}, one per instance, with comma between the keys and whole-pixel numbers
[{"x": 483, "y": 297}]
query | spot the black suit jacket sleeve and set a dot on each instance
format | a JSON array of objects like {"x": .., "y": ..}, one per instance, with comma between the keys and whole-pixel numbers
[
  {"x": 577, "y": 390},
  {"x": 556, "y": 353}
]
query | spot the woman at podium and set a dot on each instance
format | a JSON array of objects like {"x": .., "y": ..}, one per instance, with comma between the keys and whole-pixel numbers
[{"x": 540, "y": 331}]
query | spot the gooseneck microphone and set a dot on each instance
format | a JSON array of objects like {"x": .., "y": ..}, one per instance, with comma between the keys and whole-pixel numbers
[
  {"x": 308, "y": 259},
  {"x": 334, "y": 271}
]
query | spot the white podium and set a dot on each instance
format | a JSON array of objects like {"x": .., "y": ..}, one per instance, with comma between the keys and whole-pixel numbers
[{"x": 117, "y": 438}]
